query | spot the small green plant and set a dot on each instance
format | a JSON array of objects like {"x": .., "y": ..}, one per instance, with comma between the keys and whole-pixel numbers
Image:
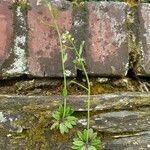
[
  {"x": 62, "y": 118},
  {"x": 80, "y": 143},
  {"x": 88, "y": 139},
  {"x": 63, "y": 123}
]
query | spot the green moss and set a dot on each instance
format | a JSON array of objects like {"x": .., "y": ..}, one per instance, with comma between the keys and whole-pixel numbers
[
  {"x": 133, "y": 44},
  {"x": 33, "y": 130},
  {"x": 22, "y": 3}
]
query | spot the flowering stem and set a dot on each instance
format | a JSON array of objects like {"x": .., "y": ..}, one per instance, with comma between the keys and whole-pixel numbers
[
  {"x": 88, "y": 101},
  {"x": 88, "y": 88},
  {"x": 62, "y": 55}
]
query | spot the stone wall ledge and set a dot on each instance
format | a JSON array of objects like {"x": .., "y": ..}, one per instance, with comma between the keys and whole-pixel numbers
[{"x": 122, "y": 119}]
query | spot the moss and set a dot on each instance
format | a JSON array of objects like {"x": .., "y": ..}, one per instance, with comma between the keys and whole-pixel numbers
[
  {"x": 36, "y": 135},
  {"x": 22, "y": 3},
  {"x": 33, "y": 124},
  {"x": 133, "y": 43}
]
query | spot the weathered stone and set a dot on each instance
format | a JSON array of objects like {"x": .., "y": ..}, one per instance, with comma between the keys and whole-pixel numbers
[
  {"x": 32, "y": 84},
  {"x": 17, "y": 107},
  {"x": 106, "y": 48},
  {"x": 143, "y": 67},
  {"x": 101, "y": 102},
  {"x": 6, "y": 32},
  {"x": 25, "y": 120},
  {"x": 139, "y": 141},
  {"x": 122, "y": 121},
  {"x": 8, "y": 143},
  {"x": 44, "y": 57}
]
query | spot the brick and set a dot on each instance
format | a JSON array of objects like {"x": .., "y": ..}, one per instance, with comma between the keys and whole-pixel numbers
[
  {"x": 6, "y": 32},
  {"x": 106, "y": 49},
  {"x": 44, "y": 59},
  {"x": 143, "y": 67},
  {"x": 9, "y": 2}
]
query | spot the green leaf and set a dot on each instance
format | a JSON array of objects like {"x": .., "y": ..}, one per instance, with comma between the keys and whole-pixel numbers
[
  {"x": 81, "y": 48},
  {"x": 85, "y": 134},
  {"x": 68, "y": 111},
  {"x": 75, "y": 147},
  {"x": 65, "y": 56},
  {"x": 78, "y": 143},
  {"x": 56, "y": 115},
  {"x": 65, "y": 93},
  {"x": 55, "y": 12},
  {"x": 68, "y": 125},
  {"x": 63, "y": 129},
  {"x": 83, "y": 148},
  {"x": 71, "y": 118},
  {"x": 61, "y": 110},
  {"x": 92, "y": 148},
  {"x": 78, "y": 62},
  {"x": 80, "y": 136},
  {"x": 54, "y": 125},
  {"x": 94, "y": 141},
  {"x": 90, "y": 133}
]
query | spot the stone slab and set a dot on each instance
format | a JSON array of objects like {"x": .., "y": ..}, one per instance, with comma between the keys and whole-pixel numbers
[
  {"x": 123, "y": 121},
  {"x": 44, "y": 58},
  {"x": 106, "y": 49},
  {"x": 20, "y": 107},
  {"x": 143, "y": 67},
  {"x": 25, "y": 121},
  {"x": 139, "y": 141},
  {"x": 103, "y": 102}
]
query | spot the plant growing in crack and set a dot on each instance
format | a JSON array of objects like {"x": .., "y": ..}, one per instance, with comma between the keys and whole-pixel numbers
[
  {"x": 63, "y": 118},
  {"x": 86, "y": 140}
]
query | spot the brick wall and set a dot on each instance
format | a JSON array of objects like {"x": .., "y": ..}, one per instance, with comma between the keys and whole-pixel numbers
[{"x": 116, "y": 36}]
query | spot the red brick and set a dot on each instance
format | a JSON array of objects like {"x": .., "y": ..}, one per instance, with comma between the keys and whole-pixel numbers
[
  {"x": 6, "y": 31},
  {"x": 44, "y": 57},
  {"x": 106, "y": 48},
  {"x": 143, "y": 67},
  {"x": 9, "y": 2}
]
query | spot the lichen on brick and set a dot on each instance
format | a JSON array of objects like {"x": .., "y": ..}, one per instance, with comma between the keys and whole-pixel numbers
[
  {"x": 119, "y": 35},
  {"x": 18, "y": 51}
]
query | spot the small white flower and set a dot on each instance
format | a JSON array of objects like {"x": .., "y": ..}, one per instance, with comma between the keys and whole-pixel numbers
[
  {"x": 9, "y": 135},
  {"x": 38, "y": 2},
  {"x": 68, "y": 73},
  {"x": 148, "y": 145}
]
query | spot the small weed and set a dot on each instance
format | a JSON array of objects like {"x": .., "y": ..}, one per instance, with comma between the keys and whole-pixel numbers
[
  {"x": 62, "y": 118},
  {"x": 63, "y": 123},
  {"x": 80, "y": 142},
  {"x": 88, "y": 139}
]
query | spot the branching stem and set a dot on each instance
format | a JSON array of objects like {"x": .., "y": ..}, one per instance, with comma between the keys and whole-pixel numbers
[{"x": 88, "y": 88}]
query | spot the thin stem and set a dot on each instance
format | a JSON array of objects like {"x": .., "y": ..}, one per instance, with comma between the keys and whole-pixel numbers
[
  {"x": 88, "y": 101},
  {"x": 62, "y": 54},
  {"x": 88, "y": 89},
  {"x": 74, "y": 48},
  {"x": 79, "y": 85}
]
